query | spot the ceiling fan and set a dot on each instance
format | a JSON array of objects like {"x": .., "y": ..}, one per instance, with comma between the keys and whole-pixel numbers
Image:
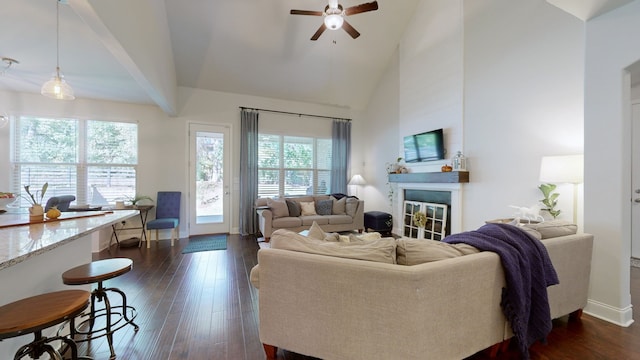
[{"x": 334, "y": 15}]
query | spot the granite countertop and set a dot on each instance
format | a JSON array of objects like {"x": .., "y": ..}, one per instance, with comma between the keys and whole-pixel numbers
[{"x": 19, "y": 243}]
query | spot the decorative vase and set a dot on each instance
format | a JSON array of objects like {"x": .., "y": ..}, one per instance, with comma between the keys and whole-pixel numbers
[{"x": 36, "y": 213}]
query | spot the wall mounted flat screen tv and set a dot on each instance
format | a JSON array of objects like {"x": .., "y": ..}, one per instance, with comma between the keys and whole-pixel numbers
[{"x": 427, "y": 146}]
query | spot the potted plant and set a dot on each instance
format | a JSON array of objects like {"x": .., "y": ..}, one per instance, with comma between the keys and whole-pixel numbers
[
  {"x": 137, "y": 198},
  {"x": 550, "y": 199},
  {"x": 36, "y": 211}
]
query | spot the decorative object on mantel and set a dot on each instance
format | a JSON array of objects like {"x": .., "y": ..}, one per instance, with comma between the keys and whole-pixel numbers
[
  {"x": 446, "y": 168},
  {"x": 36, "y": 211},
  {"x": 550, "y": 199},
  {"x": 397, "y": 168},
  {"x": 459, "y": 162}
]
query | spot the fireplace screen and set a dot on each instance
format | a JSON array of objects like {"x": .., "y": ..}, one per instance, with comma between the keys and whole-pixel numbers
[{"x": 423, "y": 220}]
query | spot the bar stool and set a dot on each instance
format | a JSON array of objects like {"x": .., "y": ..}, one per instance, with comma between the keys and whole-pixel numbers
[
  {"x": 116, "y": 317},
  {"x": 36, "y": 313}
]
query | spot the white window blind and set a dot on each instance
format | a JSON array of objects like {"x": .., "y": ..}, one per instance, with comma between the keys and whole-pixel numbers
[
  {"x": 293, "y": 165},
  {"x": 94, "y": 160}
]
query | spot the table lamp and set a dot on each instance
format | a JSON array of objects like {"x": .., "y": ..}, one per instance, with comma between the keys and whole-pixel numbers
[
  {"x": 564, "y": 169},
  {"x": 357, "y": 180}
]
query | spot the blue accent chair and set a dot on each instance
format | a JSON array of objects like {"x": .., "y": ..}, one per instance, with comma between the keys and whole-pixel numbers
[
  {"x": 167, "y": 215},
  {"x": 61, "y": 202}
]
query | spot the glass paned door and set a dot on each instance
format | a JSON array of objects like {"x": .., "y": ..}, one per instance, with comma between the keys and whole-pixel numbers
[{"x": 209, "y": 185}]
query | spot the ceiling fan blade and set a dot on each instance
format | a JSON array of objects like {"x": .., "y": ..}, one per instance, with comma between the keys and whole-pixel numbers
[
  {"x": 319, "y": 32},
  {"x": 306, "y": 12},
  {"x": 350, "y": 29},
  {"x": 361, "y": 8}
]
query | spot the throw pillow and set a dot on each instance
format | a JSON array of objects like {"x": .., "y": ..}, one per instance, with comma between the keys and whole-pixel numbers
[
  {"x": 323, "y": 207},
  {"x": 381, "y": 250},
  {"x": 413, "y": 251},
  {"x": 316, "y": 232},
  {"x": 294, "y": 208},
  {"x": 554, "y": 228},
  {"x": 351, "y": 206},
  {"x": 308, "y": 208},
  {"x": 278, "y": 208},
  {"x": 339, "y": 206}
]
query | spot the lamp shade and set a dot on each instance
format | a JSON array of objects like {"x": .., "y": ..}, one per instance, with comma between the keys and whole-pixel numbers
[
  {"x": 333, "y": 21},
  {"x": 57, "y": 88},
  {"x": 357, "y": 179},
  {"x": 562, "y": 169}
]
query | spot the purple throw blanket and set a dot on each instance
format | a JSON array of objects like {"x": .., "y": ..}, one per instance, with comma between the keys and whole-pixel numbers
[{"x": 528, "y": 272}]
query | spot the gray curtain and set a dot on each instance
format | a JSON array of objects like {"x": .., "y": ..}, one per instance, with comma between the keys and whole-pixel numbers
[
  {"x": 248, "y": 171},
  {"x": 340, "y": 153}
]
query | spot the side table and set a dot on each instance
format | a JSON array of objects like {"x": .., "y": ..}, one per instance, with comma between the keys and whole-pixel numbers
[{"x": 143, "y": 212}]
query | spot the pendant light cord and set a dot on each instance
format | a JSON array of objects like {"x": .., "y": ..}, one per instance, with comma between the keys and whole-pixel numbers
[{"x": 58, "y": 38}]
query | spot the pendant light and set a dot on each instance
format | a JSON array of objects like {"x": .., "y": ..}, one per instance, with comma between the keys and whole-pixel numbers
[{"x": 57, "y": 87}]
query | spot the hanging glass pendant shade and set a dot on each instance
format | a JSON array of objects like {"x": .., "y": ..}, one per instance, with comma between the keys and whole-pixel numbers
[{"x": 57, "y": 88}]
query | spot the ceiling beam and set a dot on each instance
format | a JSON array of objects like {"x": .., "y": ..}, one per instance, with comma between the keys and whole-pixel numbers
[
  {"x": 588, "y": 9},
  {"x": 137, "y": 34}
]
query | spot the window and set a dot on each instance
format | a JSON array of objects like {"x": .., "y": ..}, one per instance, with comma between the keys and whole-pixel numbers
[
  {"x": 293, "y": 165},
  {"x": 93, "y": 160}
]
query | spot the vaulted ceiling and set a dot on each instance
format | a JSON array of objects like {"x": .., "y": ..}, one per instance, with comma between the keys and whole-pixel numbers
[{"x": 140, "y": 51}]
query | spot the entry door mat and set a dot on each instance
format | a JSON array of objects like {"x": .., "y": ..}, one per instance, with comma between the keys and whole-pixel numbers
[{"x": 206, "y": 243}]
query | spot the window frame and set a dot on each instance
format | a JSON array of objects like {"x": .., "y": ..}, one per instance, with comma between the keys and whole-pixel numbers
[
  {"x": 81, "y": 165},
  {"x": 282, "y": 169}
]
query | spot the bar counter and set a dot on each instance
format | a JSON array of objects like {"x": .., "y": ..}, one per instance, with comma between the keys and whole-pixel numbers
[{"x": 34, "y": 256}]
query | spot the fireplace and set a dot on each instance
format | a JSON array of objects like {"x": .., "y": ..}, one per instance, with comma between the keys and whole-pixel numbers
[{"x": 448, "y": 194}]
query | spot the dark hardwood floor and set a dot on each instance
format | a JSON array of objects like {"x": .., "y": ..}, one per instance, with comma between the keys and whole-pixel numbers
[{"x": 202, "y": 306}]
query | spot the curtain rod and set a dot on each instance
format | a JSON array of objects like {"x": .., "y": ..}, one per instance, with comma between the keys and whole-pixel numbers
[{"x": 292, "y": 113}]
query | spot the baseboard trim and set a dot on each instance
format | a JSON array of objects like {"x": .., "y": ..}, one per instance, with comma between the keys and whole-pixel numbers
[{"x": 619, "y": 316}]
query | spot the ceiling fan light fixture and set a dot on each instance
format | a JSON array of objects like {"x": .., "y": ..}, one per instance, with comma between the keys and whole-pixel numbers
[
  {"x": 333, "y": 21},
  {"x": 57, "y": 88}
]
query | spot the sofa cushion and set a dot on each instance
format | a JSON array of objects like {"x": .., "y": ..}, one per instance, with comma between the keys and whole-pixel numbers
[
  {"x": 287, "y": 222},
  {"x": 339, "y": 219},
  {"x": 294, "y": 208},
  {"x": 351, "y": 206},
  {"x": 324, "y": 207},
  {"x": 417, "y": 251},
  {"x": 554, "y": 228},
  {"x": 278, "y": 208},
  {"x": 308, "y": 208},
  {"x": 381, "y": 250},
  {"x": 320, "y": 219},
  {"x": 339, "y": 206}
]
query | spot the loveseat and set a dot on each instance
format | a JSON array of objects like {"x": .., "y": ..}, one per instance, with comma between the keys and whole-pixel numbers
[
  {"x": 339, "y": 213},
  {"x": 344, "y": 307}
]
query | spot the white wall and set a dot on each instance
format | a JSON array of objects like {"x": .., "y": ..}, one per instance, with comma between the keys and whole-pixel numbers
[
  {"x": 380, "y": 139},
  {"x": 431, "y": 76},
  {"x": 523, "y": 81},
  {"x": 609, "y": 50}
]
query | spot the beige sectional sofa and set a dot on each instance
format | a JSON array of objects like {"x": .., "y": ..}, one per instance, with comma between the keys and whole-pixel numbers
[
  {"x": 343, "y": 307},
  {"x": 344, "y": 214}
]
